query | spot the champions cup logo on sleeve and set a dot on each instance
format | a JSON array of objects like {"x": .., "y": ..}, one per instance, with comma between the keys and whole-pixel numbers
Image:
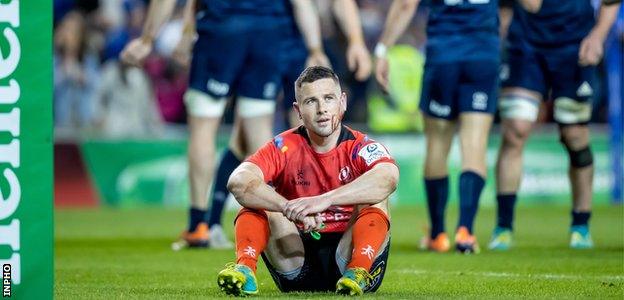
[{"x": 373, "y": 152}]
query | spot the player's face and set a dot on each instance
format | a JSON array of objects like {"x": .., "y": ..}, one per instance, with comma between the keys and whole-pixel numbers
[{"x": 321, "y": 105}]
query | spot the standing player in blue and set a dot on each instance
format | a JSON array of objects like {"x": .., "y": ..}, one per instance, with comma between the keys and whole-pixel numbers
[
  {"x": 235, "y": 52},
  {"x": 296, "y": 53},
  {"x": 459, "y": 90},
  {"x": 459, "y": 93},
  {"x": 552, "y": 49}
]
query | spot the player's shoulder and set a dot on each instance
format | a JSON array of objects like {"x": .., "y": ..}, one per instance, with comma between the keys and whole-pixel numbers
[
  {"x": 290, "y": 139},
  {"x": 359, "y": 143}
]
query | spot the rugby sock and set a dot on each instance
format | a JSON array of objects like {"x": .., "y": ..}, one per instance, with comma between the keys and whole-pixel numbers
[
  {"x": 506, "y": 206},
  {"x": 196, "y": 216},
  {"x": 580, "y": 218},
  {"x": 369, "y": 232},
  {"x": 437, "y": 196},
  {"x": 470, "y": 186},
  {"x": 252, "y": 235},
  {"x": 228, "y": 163}
]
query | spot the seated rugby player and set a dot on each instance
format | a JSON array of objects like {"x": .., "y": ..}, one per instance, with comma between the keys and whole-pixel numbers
[{"x": 315, "y": 201}]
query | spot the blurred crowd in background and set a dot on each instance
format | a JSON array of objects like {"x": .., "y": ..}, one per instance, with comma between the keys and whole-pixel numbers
[{"x": 97, "y": 96}]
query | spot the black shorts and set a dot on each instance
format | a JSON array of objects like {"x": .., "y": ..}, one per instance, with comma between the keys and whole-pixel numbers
[{"x": 320, "y": 271}]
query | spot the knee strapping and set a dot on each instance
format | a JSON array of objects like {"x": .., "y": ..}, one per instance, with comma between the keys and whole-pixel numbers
[{"x": 581, "y": 158}]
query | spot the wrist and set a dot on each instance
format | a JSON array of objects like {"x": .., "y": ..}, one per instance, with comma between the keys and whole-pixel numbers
[
  {"x": 599, "y": 33},
  {"x": 356, "y": 40},
  {"x": 315, "y": 51},
  {"x": 381, "y": 50},
  {"x": 147, "y": 39}
]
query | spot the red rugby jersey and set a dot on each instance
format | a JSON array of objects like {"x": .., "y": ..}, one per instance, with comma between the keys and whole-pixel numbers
[{"x": 295, "y": 170}]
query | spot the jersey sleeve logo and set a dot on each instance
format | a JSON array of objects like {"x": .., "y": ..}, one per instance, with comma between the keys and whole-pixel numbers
[{"x": 373, "y": 152}]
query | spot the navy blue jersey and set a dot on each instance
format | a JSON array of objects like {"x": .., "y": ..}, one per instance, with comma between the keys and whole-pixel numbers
[
  {"x": 462, "y": 30},
  {"x": 245, "y": 7},
  {"x": 250, "y": 14},
  {"x": 557, "y": 23}
]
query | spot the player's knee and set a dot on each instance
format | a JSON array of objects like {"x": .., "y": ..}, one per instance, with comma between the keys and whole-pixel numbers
[
  {"x": 248, "y": 211},
  {"x": 515, "y": 134},
  {"x": 576, "y": 141},
  {"x": 374, "y": 211},
  {"x": 574, "y": 136},
  {"x": 581, "y": 158}
]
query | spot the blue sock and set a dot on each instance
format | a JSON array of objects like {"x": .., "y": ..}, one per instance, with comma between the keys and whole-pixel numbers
[
  {"x": 437, "y": 196},
  {"x": 196, "y": 216},
  {"x": 580, "y": 218},
  {"x": 228, "y": 163},
  {"x": 470, "y": 186},
  {"x": 506, "y": 205}
]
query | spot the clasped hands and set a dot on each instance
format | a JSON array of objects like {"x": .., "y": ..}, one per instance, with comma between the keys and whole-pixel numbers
[{"x": 307, "y": 211}]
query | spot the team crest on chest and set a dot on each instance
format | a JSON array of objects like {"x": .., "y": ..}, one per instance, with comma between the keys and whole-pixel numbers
[{"x": 345, "y": 174}]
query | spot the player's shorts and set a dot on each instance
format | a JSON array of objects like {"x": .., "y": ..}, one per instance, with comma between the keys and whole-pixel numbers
[
  {"x": 452, "y": 88},
  {"x": 294, "y": 55},
  {"x": 555, "y": 71},
  {"x": 320, "y": 270},
  {"x": 231, "y": 55}
]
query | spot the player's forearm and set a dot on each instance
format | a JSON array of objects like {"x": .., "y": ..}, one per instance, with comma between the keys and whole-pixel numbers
[
  {"x": 532, "y": 6},
  {"x": 158, "y": 13},
  {"x": 346, "y": 12},
  {"x": 189, "y": 18},
  {"x": 251, "y": 191},
  {"x": 308, "y": 23},
  {"x": 399, "y": 17},
  {"x": 606, "y": 17},
  {"x": 372, "y": 187}
]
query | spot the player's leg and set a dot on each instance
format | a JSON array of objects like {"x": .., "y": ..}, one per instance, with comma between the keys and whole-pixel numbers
[
  {"x": 477, "y": 104},
  {"x": 439, "y": 137},
  {"x": 581, "y": 174},
  {"x": 278, "y": 241},
  {"x": 209, "y": 86},
  {"x": 473, "y": 135},
  {"x": 572, "y": 93},
  {"x": 519, "y": 109},
  {"x": 252, "y": 231},
  {"x": 523, "y": 87},
  {"x": 437, "y": 105},
  {"x": 362, "y": 252},
  {"x": 201, "y": 153},
  {"x": 231, "y": 158}
]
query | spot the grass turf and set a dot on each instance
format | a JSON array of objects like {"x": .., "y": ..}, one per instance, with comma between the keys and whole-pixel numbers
[{"x": 109, "y": 253}]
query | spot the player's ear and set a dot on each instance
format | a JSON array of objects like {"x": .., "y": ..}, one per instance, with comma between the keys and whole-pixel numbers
[
  {"x": 343, "y": 101},
  {"x": 296, "y": 107}
]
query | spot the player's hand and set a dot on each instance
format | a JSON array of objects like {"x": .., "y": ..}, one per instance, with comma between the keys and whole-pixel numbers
[
  {"x": 300, "y": 208},
  {"x": 312, "y": 223},
  {"x": 136, "y": 51},
  {"x": 591, "y": 50},
  {"x": 182, "y": 52},
  {"x": 317, "y": 58},
  {"x": 359, "y": 61},
  {"x": 381, "y": 72}
]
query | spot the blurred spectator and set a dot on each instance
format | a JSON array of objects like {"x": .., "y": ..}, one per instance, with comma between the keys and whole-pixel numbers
[
  {"x": 76, "y": 73},
  {"x": 126, "y": 103}
]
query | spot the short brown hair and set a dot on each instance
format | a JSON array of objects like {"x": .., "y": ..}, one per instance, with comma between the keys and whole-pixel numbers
[{"x": 312, "y": 74}]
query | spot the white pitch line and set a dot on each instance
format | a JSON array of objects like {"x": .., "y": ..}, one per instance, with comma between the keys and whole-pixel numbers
[{"x": 516, "y": 275}]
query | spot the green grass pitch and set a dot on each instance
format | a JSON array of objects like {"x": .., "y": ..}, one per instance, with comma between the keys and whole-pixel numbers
[{"x": 108, "y": 253}]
